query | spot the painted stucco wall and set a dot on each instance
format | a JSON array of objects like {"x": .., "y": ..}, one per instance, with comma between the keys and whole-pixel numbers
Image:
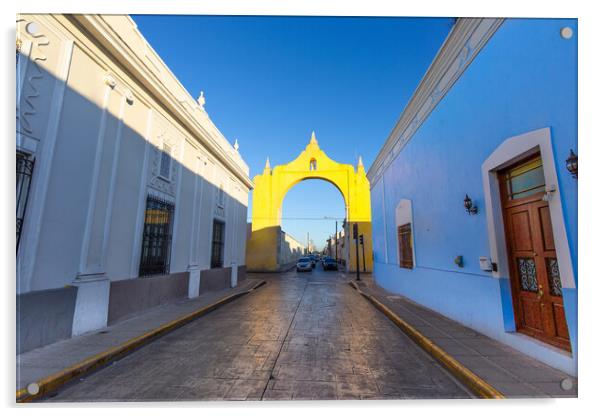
[
  {"x": 95, "y": 168},
  {"x": 524, "y": 79}
]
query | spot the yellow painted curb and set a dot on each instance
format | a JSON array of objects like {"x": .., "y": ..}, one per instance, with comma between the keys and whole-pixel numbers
[
  {"x": 475, "y": 383},
  {"x": 54, "y": 381}
]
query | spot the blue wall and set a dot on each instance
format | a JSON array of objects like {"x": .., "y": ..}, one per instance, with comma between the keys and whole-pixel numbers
[{"x": 524, "y": 79}]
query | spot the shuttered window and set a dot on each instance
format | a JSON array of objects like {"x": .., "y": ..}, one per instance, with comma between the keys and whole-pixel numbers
[{"x": 404, "y": 236}]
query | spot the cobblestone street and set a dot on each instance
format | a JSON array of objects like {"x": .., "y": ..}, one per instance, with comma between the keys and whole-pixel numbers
[{"x": 301, "y": 336}]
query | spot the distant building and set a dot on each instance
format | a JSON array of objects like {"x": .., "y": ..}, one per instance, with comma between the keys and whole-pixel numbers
[
  {"x": 336, "y": 247},
  {"x": 128, "y": 195},
  {"x": 290, "y": 250},
  {"x": 474, "y": 205}
]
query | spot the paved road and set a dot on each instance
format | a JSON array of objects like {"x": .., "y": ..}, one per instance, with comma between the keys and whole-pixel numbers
[{"x": 301, "y": 336}]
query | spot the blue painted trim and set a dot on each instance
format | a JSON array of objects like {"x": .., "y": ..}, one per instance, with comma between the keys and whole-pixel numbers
[{"x": 507, "y": 305}]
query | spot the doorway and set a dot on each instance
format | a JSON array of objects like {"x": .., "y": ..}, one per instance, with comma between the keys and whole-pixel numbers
[{"x": 534, "y": 272}]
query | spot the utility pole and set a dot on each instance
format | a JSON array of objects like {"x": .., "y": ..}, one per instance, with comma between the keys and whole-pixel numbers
[
  {"x": 363, "y": 253},
  {"x": 308, "y": 242},
  {"x": 357, "y": 253},
  {"x": 336, "y": 243}
]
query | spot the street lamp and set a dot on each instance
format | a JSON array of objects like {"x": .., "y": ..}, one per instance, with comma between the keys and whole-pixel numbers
[
  {"x": 571, "y": 164},
  {"x": 470, "y": 207}
]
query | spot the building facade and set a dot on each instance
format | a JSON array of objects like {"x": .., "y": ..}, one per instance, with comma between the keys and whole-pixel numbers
[
  {"x": 128, "y": 196},
  {"x": 474, "y": 193}
]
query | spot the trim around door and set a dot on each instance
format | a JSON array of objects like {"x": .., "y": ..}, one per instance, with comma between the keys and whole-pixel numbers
[{"x": 508, "y": 153}]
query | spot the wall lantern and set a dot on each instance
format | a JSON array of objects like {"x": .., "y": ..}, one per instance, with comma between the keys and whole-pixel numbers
[
  {"x": 571, "y": 164},
  {"x": 470, "y": 208}
]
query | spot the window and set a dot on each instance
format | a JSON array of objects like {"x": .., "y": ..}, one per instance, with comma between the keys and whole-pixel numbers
[
  {"x": 165, "y": 167},
  {"x": 313, "y": 164},
  {"x": 156, "y": 240},
  {"x": 525, "y": 179},
  {"x": 24, "y": 173},
  {"x": 221, "y": 197},
  {"x": 217, "y": 244},
  {"x": 406, "y": 256}
]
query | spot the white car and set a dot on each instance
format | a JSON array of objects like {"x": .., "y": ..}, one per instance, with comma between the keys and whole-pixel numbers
[{"x": 304, "y": 264}]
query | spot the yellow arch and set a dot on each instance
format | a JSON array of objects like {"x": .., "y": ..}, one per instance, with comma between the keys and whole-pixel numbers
[{"x": 272, "y": 186}]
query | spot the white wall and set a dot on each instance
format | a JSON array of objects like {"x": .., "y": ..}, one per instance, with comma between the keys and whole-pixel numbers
[{"x": 91, "y": 177}]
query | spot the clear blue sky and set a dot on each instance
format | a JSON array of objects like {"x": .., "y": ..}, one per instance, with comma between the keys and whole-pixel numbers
[{"x": 270, "y": 81}]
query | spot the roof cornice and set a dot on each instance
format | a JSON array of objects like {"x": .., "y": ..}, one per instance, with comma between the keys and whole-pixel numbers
[
  {"x": 466, "y": 39},
  {"x": 180, "y": 107}
]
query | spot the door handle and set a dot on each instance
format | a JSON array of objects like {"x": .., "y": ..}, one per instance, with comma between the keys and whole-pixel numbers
[{"x": 540, "y": 292}]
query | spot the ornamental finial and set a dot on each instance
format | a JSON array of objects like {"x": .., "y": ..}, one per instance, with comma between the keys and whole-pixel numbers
[{"x": 201, "y": 100}]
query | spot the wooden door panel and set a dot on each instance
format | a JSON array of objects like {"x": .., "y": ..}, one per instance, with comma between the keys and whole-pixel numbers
[
  {"x": 546, "y": 228},
  {"x": 532, "y": 318},
  {"x": 562, "y": 330},
  {"x": 521, "y": 230}
]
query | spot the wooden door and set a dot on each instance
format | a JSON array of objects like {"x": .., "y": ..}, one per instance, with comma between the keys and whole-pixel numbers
[{"x": 535, "y": 279}]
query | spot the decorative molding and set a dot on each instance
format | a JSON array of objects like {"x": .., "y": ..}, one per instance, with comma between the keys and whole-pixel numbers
[
  {"x": 165, "y": 134},
  {"x": 464, "y": 42},
  {"x": 32, "y": 81},
  {"x": 110, "y": 81},
  {"x": 27, "y": 256},
  {"x": 115, "y": 35}
]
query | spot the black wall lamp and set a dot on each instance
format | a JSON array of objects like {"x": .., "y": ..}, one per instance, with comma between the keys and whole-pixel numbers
[
  {"x": 571, "y": 164},
  {"x": 470, "y": 207}
]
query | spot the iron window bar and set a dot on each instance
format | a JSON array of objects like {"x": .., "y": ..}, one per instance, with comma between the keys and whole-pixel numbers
[
  {"x": 157, "y": 235},
  {"x": 25, "y": 164}
]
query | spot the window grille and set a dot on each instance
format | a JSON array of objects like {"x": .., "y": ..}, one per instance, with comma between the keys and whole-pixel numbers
[
  {"x": 406, "y": 257},
  {"x": 217, "y": 244},
  {"x": 156, "y": 239},
  {"x": 24, "y": 173}
]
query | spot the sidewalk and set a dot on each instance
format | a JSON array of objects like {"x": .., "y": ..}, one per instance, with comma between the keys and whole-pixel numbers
[
  {"x": 49, "y": 360},
  {"x": 512, "y": 373}
]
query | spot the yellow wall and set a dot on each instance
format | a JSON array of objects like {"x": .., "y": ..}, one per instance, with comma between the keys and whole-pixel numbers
[{"x": 271, "y": 188}]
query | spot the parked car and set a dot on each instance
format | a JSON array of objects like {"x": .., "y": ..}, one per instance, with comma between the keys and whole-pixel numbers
[
  {"x": 314, "y": 260},
  {"x": 304, "y": 264},
  {"x": 330, "y": 264}
]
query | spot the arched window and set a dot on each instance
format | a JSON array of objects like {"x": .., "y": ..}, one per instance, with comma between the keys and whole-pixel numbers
[{"x": 313, "y": 165}]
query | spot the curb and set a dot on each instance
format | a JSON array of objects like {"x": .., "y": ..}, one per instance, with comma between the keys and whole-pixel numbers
[
  {"x": 475, "y": 383},
  {"x": 56, "y": 380}
]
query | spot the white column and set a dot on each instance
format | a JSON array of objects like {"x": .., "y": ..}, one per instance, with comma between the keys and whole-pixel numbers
[
  {"x": 91, "y": 305},
  {"x": 194, "y": 276}
]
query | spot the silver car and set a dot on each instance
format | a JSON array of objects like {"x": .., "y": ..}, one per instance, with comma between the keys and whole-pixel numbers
[{"x": 304, "y": 264}]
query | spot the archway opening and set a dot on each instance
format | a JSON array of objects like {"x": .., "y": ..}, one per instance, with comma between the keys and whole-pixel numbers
[{"x": 312, "y": 211}]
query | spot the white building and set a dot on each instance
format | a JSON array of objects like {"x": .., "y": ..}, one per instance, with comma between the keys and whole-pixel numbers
[{"x": 128, "y": 196}]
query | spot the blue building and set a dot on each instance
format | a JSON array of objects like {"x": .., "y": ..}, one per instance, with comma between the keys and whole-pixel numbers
[{"x": 474, "y": 207}]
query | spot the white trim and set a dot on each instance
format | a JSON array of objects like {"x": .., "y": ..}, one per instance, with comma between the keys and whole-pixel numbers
[
  {"x": 32, "y": 226},
  {"x": 194, "y": 235},
  {"x": 466, "y": 39},
  {"x": 177, "y": 200},
  {"x": 510, "y": 151},
  {"x": 109, "y": 208},
  {"x": 142, "y": 191},
  {"x": 83, "y": 257}
]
